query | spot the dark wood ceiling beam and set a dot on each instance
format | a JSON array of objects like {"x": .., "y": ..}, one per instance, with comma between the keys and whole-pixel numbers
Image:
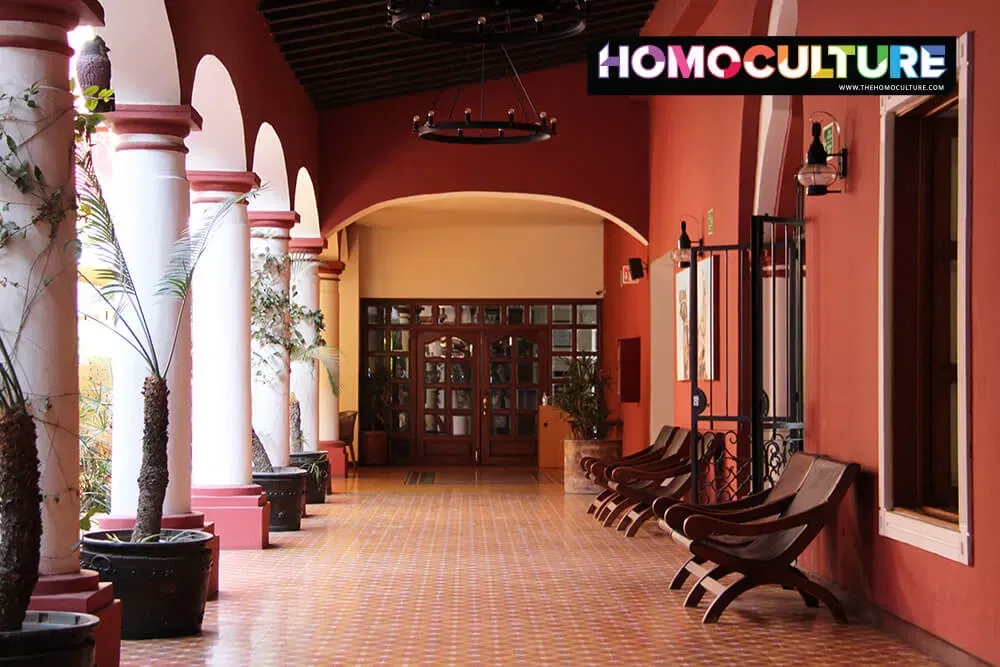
[
  {"x": 436, "y": 84},
  {"x": 334, "y": 11},
  {"x": 330, "y": 44}
]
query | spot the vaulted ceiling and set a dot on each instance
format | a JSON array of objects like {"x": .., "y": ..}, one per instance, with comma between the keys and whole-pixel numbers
[{"x": 344, "y": 53}]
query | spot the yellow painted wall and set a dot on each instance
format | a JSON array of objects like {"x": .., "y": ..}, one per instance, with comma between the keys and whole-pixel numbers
[
  {"x": 446, "y": 257},
  {"x": 349, "y": 322}
]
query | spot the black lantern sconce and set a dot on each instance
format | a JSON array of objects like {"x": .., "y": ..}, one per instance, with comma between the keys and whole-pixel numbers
[
  {"x": 682, "y": 254},
  {"x": 818, "y": 174}
]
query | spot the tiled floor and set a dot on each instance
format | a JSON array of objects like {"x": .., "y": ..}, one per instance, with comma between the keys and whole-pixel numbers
[{"x": 487, "y": 567}]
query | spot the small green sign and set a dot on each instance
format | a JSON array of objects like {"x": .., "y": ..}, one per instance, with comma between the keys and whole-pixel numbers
[
  {"x": 711, "y": 221},
  {"x": 828, "y": 138}
]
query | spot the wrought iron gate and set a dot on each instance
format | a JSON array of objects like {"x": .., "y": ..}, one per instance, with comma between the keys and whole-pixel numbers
[{"x": 745, "y": 357}]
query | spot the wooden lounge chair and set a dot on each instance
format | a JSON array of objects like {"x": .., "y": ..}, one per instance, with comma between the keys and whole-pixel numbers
[
  {"x": 762, "y": 550},
  {"x": 598, "y": 471},
  {"x": 638, "y": 488}
]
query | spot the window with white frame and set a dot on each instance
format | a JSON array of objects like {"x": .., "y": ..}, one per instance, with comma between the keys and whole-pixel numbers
[{"x": 923, "y": 254}]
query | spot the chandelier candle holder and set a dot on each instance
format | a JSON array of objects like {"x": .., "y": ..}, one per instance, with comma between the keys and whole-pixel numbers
[
  {"x": 488, "y": 21},
  {"x": 531, "y": 127}
]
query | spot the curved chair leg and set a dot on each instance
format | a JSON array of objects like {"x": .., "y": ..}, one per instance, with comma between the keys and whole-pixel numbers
[
  {"x": 609, "y": 504},
  {"x": 698, "y": 591},
  {"x": 621, "y": 506},
  {"x": 638, "y": 519},
  {"x": 598, "y": 502},
  {"x": 808, "y": 587},
  {"x": 631, "y": 516},
  {"x": 726, "y": 598},
  {"x": 683, "y": 573}
]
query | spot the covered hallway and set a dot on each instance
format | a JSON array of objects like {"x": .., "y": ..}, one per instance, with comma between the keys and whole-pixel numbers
[{"x": 492, "y": 566}]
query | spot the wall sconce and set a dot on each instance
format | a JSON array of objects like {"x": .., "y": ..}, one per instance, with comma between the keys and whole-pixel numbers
[
  {"x": 636, "y": 268},
  {"x": 682, "y": 254},
  {"x": 817, "y": 174}
]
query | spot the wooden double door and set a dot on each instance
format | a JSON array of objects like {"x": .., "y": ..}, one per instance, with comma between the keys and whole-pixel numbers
[{"x": 478, "y": 395}]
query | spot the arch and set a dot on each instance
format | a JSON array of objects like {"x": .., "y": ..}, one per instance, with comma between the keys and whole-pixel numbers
[
  {"x": 269, "y": 165},
  {"x": 221, "y": 144},
  {"x": 486, "y": 195},
  {"x": 143, "y": 57},
  {"x": 305, "y": 206}
]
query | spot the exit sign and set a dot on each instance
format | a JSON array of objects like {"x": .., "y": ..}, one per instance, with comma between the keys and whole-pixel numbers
[
  {"x": 828, "y": 138},
  {"x": 711, "y": 221}
]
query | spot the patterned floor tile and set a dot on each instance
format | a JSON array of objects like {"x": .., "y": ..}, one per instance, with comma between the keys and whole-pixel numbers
[{"x": 492, "y": 568}]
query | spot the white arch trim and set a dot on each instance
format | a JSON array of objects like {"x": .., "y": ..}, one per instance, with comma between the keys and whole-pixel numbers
[
  {"x": 221, "y": 143},
  {"x": 269, "y": 165},
  {"x": 549, "y": 199},
  {"x": 775, "y": 119},
  {"x": 306, "y": 206}
]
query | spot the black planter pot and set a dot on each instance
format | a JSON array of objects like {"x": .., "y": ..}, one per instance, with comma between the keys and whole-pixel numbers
[
  {"x": 317, "y": 467},
  {"x": 286, "y": 491},
  {"x": 50, "y": 639},
  {"x": 162, "y": 585}
]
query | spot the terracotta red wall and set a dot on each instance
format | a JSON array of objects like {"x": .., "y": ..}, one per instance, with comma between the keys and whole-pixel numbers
[
  {"x": 703, "y": 156},
  {"x": 626, "y": 315},
  {"x": 600, "y": 156},
  {"x": 234, "y": 32},
  {"x": 953, "y": 601}
]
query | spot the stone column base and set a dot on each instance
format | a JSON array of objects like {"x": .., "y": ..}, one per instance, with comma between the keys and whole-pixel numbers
[
  {"x": 336, "y": 452},
  {"x": 242, "y": 514},
  {"x": 188, "y": 521},
  {"x": 83, "y": 593}
]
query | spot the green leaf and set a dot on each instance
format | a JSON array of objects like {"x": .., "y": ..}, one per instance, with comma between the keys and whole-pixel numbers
[
  {"x": 11, "y": 144},
  {"x": 91, "y": 91}
]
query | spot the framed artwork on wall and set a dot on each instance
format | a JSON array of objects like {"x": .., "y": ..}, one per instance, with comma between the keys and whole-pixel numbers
[{"x": 706, "y": 321}]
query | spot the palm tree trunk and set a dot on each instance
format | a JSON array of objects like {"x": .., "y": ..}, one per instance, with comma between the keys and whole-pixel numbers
[
  {"x": 153, "y": 475},
  {"x": 20, "y": 517},
  {"x": 261, "y": 461},
  {"x": 295, "y": 424}
]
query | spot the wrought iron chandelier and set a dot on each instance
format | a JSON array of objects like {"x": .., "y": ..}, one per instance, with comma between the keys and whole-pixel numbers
[
  {"x": 533, "y": 125},
  {"x": 488, "y": 21}
]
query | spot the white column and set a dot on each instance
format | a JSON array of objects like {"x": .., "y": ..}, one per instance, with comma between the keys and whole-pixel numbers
[
  {"x": 46, "y": 358},
  {"x": 306, "y": 376},
  {"x": 220, "y": 328},
  {"x": 329, "y": 305},
  {"x": 150, "y": 206},
  {"x": 269, "y": 235}
]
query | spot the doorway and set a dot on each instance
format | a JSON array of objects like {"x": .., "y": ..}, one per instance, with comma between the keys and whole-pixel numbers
[{"x": 466, "y": 378}]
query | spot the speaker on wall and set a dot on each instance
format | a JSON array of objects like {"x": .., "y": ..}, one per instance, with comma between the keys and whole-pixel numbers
[{"x": 635, "y": 267}]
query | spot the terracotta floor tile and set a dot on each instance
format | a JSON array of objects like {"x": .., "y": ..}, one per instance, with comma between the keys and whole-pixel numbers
[{"x": 492, "y": 567}]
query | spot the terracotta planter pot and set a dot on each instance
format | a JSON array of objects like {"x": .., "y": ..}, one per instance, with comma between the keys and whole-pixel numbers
[
  {"x": 374, "y": 448},
  {"x": 574, "y": 480}
]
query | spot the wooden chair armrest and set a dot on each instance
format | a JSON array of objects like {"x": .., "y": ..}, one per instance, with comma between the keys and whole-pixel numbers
[
  {"x": 700, "y": 526},
  {"x": 625, "y": 474},
  {"x": 676, "y": 515}
]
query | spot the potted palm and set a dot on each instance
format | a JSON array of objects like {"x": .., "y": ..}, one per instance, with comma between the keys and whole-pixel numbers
[
  {"x": 34, "y": 216},
  {"x": 583, "y": 400},
  {"x": 161, "y": 576},
  {"x": 374, "y": 440}
]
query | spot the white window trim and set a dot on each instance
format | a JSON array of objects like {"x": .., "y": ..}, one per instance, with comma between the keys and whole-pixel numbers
[{"x": 927, "y": 534}]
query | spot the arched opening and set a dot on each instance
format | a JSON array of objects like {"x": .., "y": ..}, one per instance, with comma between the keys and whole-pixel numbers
[
  {"x": 269, "y": 165},
  {"x": 513, "y": 283},
  {"x": 305, "y": 206},
  {"x": 221, "y": 144}
]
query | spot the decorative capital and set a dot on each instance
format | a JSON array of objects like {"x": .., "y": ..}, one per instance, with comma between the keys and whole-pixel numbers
[
  {"x": 273, "y": 219},
  {"x": 331, "y": 270},
  {"x": 173, "y": 120},
  {"x": 232, "y": 182},
  {"x": 307, "y": 245},
  {"x": 66, "y": 14}
]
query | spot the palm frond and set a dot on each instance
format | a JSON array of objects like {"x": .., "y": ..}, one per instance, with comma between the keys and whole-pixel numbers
[
  {"x": 11, "y": 394},
  {"x": 328, "y": 358}
]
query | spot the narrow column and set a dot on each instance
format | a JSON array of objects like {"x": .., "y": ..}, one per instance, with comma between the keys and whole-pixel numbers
[
  {"x": 150, "y": 207},
  {"x": 329, "y": 403},
  {"x": 34, "y": 50},
  {"x": 307, "y": 376},
  {"x": 220, "y": 327},
  {"x": 270, "y": 386}
]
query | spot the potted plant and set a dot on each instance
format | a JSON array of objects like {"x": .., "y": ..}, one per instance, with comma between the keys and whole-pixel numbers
[
  {"x": 583, "y": 400},
  {"x": 316, "y": 464},
  {"x": 33, "y": 215},
  {"x": 161, "y": 576},
  {"x": 374, "y": 440}
]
